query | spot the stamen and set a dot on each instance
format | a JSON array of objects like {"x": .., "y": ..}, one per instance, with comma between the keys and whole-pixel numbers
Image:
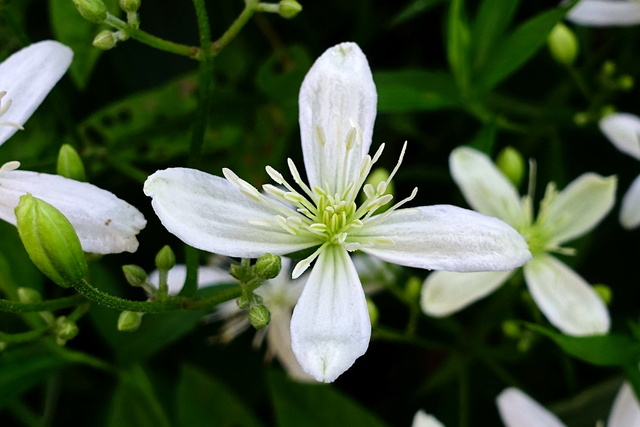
[
  {"x": 304, "y": 264},
  {"x": 10, "y": 166},
  {"x": 351, "y": 138},
  {"x": 275, "y": 175},
  {"x": 318, "y": 133},
  {"x": 296, "y": 178},
  {"x": 246, "y": 188}
]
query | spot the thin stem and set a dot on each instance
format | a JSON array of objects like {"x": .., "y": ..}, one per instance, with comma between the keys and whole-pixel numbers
[
  {"x": 153, "y": 41},
  {"x": 21, "y": 337},
  {"x": 250, "y": 7},
  {"x": 49, "y": 305}
]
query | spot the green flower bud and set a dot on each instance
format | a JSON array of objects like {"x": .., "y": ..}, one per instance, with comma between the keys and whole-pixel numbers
[
  {"x": 135, "y": 275},
  {"x": 604, "y": 292},
  {"x": 608, "y": 68},
  {"x": 92, "y": 10},
  {"x": 563, "y": 44},
  {"x": 606, "y": 110},
  {"x": 165, "y": 259},
  {"x": 29, "y": 295},
  {"x": 69, "y": 164},
  {"x": 244, "y": 301},
  {"x": 511, "y": 329},
  {"x": 105, "y": 40},
  {"x": 581, "y": 119},
  {"x": 625, "y": 82},
  {"x": 259, "y": 316},
  {"x": 65, "y": 329},
  {"x": 512, "y": 164},
  {"x": 289, "y": 8},
  {"x": 130, "y": 5},
  {"x": 267, "y": 266},
  {"x": 3, "y": 345},
  {"x": 129, "y": 321},
  {"x": 374, "y": 314},
  {"x": 50, "y": 241},
  {"x": 413, "y": 288}
]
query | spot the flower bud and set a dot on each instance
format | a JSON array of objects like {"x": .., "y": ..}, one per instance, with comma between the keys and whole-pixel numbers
[
  {"x": 135, "y": 275},
  {"x": 129, "y": 321},
  {"x": 289, "y": 8},
  {"x": 130, "y": 5},
  {"x": 512, "y": 164},
  {"x": 267, "y": 266},
  {"x": 165, "y": 259},
  {"x": 511, "y": 329},
  {"x": 50, "y": 241},
  {"x": 92, "y": 10},
  {"x": 625, "y": 82},
  {"x": 563, "y": 44},
  {"x": 69, "y": 164},
  {"x": 374, "y": 314},
  {"x": 65, "y": 329},
  {"x": 29, "y": 295},
  {"x": 604, "y": 292},
  {"x": 413, "y": 288},
  {"x": 259, "y": 316},
  {"x": 105, "y": 40}
]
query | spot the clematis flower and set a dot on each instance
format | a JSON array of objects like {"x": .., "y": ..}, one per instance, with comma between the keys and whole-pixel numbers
[
  {"x": 330, "y": 327},
  {"x": 605, "y": 13},
  {"x": 517, "y": 409},
  {"x": 104, "y": 223},
  {"x": 623, "y": 130},
  {"x": 567, "y": 301}
]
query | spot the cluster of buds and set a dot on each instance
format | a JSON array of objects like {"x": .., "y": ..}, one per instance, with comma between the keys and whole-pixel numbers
[{"x": 96, "y": 11}]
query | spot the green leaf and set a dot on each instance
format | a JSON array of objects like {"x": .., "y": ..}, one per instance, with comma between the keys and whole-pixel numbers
[
  {"x": 517, "y": 48},
  {"x": 23, "y": 368},
  {"x": 315, "y": 405},
  {"x": 415, "y": 90},
  {"x": 413, "y": 10},
  {"x": 603, "y": 350},
  {"x": 491, "y": 22},
  {"x": 204, "y": 401},
  {"x": 458, "y": 45},
  {"x": 281, "y": 75},
  {"x": 134, "y": 403}
]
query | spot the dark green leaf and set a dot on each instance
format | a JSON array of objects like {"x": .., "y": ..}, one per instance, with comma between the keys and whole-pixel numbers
[
  {"x": 458, "y": 45},
  {"x": 412, "y": 10},
  {"x": 491, "y": 22},
  {"x": 204, "y": 401},
  {"x": 315, "y": 405},
  {"x": 415, "y": 90}
]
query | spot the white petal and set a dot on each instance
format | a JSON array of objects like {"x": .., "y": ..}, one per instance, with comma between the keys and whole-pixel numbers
[
  {"x": 630, "y": 208},
  {"x": 210, "y": 213},
  {"x": 517, "y": 409},
  {"x": 445, "y": 237},
  {"x": 337, "y": 94},
  {"x": 579, "y": 207},
  {"x": 623, "y": 130},
  {"x": 626, "y": 410},
  {"x": 485, "y": 188},
  {"x": 207, "y": 276},
  {"x": 330, "y": 327},
  {"x": 605, "y": 13},
  {"x": 567, "y": 301},
  {"x": 422, "y": 419},
  {"x": 445, "y": 292},
  {"x": 279, "y": 343},
  {"x": 27, "y": 76},
  {"x": 104, "y": 223}
]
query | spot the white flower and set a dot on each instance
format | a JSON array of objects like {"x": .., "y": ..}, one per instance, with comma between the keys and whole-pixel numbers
[
  {"x": 330, "y": 327},
  {"x": 564, "y": 298},
  {"x": 422, "y": 419},
  {"x": 623, "y": 130},
  {"x": 104, "y": 223},
  {"x": 605, "y": 13},
  {"x": 517, "y": 409}
]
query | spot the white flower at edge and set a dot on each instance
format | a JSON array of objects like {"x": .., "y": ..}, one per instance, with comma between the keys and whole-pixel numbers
[
  {"x": 518, "y": 409},
  {"x": 605, "y": 13},
  {"x": 422, "y": 419},
  {"x": 104, "y": 223},
  {"x": 623, "y": 130},
  {"x": 567, "y": 301},
  {"x": 279, "y": 295},
  {"x": 330, "y": 327}
]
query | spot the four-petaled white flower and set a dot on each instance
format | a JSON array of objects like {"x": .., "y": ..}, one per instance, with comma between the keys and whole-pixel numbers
[
  {"x": 330, "y": 327},
  {"x": 518, "y": 409},
  {"x": 564, "y": 298},
  {"x": 605, "y": 13},
  {"x": 623, "y": 130},
  {"x": 104, "y": 223}
]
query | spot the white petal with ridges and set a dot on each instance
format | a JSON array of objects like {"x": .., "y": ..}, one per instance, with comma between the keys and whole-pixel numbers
[
  {"x": 579, "y": 207},
  {"x": 623, "y": 130},
  {"x": 630, "y": 207},
  {"x": 104, "y": 223},
  {"x": 444, "y": 237},
  {"x": 337, "y": 94},
  {"x": 605, "y": 13},
  {"x": 27, "y": 76},
  {"x": 625, "y": 410},
  {"x": 330, "y": 327},
  {"x": 566, "y": 300},
  {"x": 210, "y": 213},
  {"x": 484, "y": 187},
  {"x": 446, "y": 292},
  {"x": 517, "y": 409}
]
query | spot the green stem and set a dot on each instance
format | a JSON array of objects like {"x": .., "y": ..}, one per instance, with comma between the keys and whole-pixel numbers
[
  {"x": 23, "y": 336},
  {"x": 49, "y": 305},
  {"x": 153, "y": 41},
  {"x": 250, "y": 7}
]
